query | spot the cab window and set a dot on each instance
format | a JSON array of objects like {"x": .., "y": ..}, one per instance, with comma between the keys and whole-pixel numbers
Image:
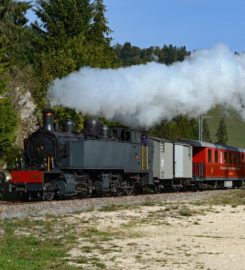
[{"x": 126, "y": 136}]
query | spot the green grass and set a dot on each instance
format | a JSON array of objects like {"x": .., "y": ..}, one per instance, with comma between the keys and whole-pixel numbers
[
  {"x": 234, "y": 123},
  {"x": 30, "y": 245}
]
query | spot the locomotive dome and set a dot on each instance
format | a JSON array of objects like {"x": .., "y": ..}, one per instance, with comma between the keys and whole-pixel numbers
[{"x": 92, "y": 127}]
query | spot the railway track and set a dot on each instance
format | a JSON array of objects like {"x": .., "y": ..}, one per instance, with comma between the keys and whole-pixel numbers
[{"x": 10, "y": 210}]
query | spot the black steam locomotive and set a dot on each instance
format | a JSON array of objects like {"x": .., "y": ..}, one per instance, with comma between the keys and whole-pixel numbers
[{"x": 99, "y": 160}]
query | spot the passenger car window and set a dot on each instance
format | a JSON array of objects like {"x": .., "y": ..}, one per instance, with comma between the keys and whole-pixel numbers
[
  {"x": 209, "y": 155},
  {"x": 230, "y": 158},
  {"x": 226, "y": 157},
  {"x": 216, "y": 156}
]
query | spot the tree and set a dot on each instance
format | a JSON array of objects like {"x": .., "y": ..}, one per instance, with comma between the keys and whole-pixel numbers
[
  {"x": 13, "y": 29},
  {"x": 178, "y": 128},
  {"x": 221, "y": 133},
  {"x": 132, "y": 55},
  {"x": 65, "y": 28},
  {"x": 128, "y": 54},
  {"x": 206, "y": 132},
  {"x": 99, "y": 30},
  {"x": 59, "y": 20}
]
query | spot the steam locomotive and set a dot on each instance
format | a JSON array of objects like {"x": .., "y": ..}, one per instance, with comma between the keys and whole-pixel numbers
[{"x": 118, "y": 161}]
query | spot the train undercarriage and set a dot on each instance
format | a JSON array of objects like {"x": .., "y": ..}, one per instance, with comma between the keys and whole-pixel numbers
[
  {"x": 80, "y": 184},
  {"x": 92, "y": 183}
]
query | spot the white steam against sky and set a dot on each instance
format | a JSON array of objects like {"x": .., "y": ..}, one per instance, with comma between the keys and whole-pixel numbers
[{"x": 144, "y": 95}]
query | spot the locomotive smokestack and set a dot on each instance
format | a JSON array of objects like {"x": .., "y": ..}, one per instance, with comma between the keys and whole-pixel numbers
[{"x": 48, "y": 119}]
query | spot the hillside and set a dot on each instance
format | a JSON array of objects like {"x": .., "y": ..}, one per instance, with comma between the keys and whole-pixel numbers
[{"x": 235, "y": 125}]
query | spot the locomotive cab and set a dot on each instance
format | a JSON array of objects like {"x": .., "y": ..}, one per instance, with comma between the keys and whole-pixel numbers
[{"x": 129, "y": 135}]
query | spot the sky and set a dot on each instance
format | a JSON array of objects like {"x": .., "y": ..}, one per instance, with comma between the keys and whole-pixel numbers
[{"x": 196, "y": 24}]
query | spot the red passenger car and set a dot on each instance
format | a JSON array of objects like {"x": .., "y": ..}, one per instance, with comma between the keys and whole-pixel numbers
[{"x": 218, "y": 165}]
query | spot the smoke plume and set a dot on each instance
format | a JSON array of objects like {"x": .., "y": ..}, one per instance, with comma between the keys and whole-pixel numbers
[{"x": 143, "y": 95}]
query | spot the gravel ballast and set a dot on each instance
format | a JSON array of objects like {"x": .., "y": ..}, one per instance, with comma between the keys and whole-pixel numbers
[{"x": 10, "y": 210}]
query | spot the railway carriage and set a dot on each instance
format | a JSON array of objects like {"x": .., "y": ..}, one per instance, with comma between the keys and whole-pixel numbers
[
  {"x": 172, "y": 164},
  {"x": 218, "y": 165}
]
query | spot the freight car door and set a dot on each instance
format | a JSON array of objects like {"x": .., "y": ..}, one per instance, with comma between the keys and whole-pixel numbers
[{"x": 178, "y": 161}]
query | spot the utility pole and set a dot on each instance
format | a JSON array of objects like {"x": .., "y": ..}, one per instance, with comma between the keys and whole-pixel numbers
[
  {"x": 200, "y": 127},
  {"x": 201, "y": 117}
]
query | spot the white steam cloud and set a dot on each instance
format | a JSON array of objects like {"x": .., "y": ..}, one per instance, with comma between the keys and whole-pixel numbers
[{"x": 143, "y": 95}]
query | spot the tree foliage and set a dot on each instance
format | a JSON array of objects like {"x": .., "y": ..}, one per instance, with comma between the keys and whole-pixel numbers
[
  {"x": 73, "y": 33},
  {"x": 8, "y": 123},
  {"x": 59, "y": 20},
  {"x": 13, "y": 30},
  {"x": 179, "y": 128},
  {"x": 63, "y": 114},
  {"x": 99, "y": 30},
  {"x": 221, "y": 134},
  {"x": 8, "y": 117},
  {"x": 132, "y": 55}
]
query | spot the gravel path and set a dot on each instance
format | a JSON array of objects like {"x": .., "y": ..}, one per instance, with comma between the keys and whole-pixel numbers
[{"x": 10, "y": 210}]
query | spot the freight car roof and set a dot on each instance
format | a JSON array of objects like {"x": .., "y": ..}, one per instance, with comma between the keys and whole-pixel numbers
[
  {"x": 213, "y": 145},
  {"x": 160, "y": 139},
  {"x": 180, "y": 142}
]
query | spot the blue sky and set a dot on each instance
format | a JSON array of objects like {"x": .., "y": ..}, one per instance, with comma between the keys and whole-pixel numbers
[{"x": 196, "y": 24}]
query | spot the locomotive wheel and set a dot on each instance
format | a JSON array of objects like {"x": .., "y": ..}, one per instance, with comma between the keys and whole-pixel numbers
[
  {"x": 128, "y": 191},
  {"x": 116, "y": 190},
  {"x": 127, "y": 188},
  {"x": 48, "y": 192}
]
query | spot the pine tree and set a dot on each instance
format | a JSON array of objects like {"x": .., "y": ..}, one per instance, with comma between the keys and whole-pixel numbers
[
  {"x": 221, "y": 133},
  {"x": 60, "y": 20},
  {"x": 63, "y": 37},
  {"x": 99, "y": 30}
]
